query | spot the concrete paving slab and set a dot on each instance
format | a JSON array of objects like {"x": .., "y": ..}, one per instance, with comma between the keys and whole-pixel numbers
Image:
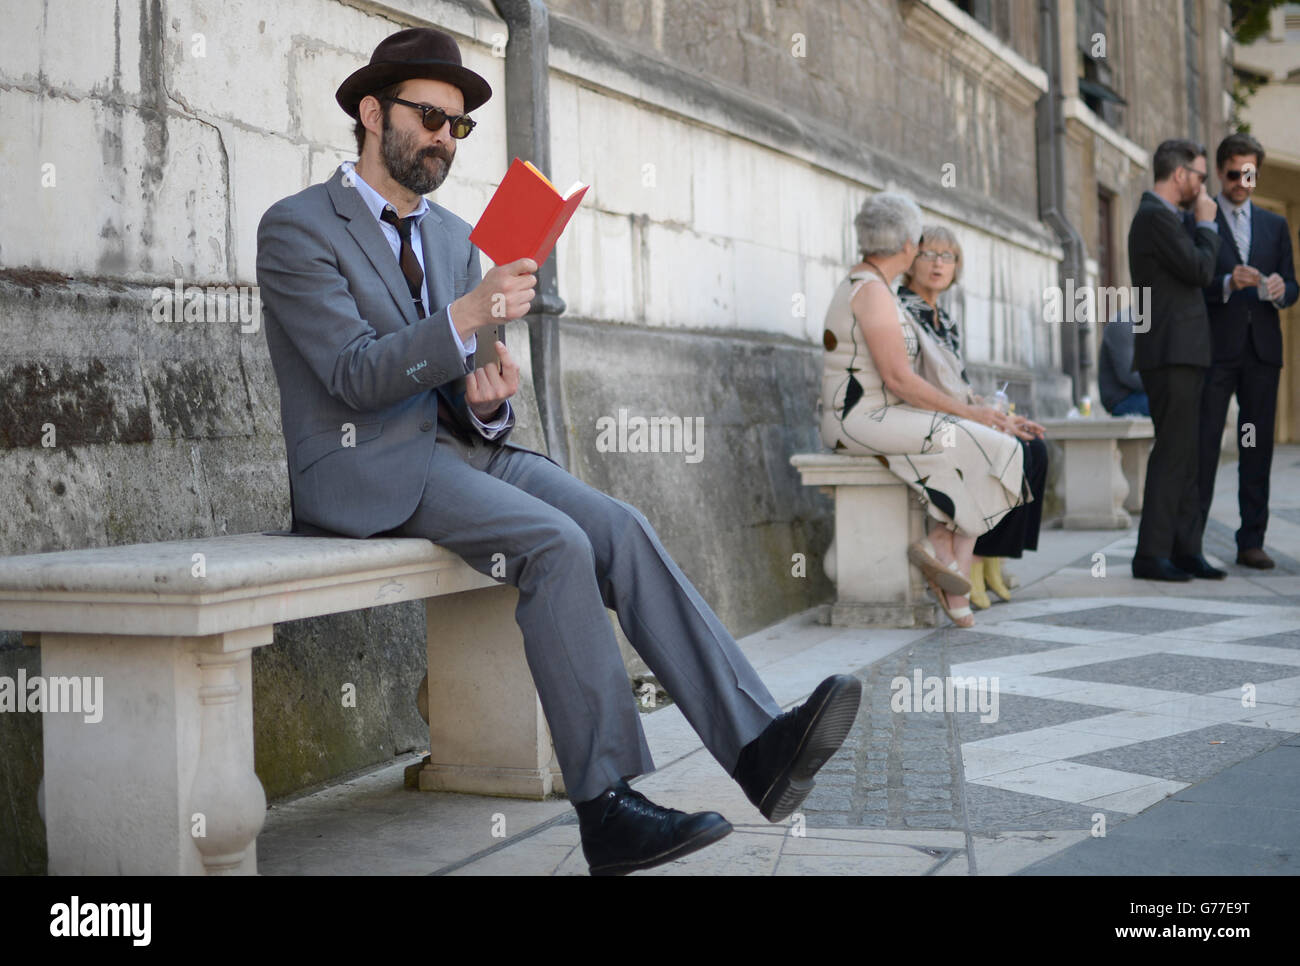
[
  {"x": 1005, "y": 853},
  {"x": 853, "y": 865}
]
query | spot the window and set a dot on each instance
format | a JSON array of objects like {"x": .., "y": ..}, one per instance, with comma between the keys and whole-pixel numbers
[
  {"x": 978, "y": 10},
  {"x": 1096, "y": 76},
  {"x": 1105, "y": 235}
]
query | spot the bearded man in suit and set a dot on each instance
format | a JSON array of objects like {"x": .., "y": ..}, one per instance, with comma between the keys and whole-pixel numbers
[
  {"x": 1246, "y": 335},
  {"x": 373, "y": 298}
]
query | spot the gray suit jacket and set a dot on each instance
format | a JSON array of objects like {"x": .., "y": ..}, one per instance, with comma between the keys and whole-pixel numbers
[{"x": 357, "y": 369}]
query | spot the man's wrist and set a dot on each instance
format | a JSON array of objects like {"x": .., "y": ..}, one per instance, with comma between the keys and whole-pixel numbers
[
  {"x": 462, "y": 315},
  {"x": 492, "y": 429}
]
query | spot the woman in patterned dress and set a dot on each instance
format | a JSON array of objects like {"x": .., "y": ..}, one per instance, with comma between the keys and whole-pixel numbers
[
  {"x": 957, "y": 455},
  {"x": 937, "y": 268}
]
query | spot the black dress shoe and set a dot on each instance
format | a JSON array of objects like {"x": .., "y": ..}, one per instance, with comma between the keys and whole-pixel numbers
[
  {"x": 1158, "y": 568},
  {"x": 623, "y": 831},
  {"x": 1255, "y": 557},
  {"x": 776, "y": 769},
  {"x": 1198, "y": 566}
]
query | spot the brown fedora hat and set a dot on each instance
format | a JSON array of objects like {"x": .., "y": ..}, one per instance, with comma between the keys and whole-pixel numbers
[{"x": 417, "y": 52}]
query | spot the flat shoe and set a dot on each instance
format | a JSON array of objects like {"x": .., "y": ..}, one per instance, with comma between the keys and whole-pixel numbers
[
  {"x": 776, "y": 769},
  {"x": 993, "y": 579},
  {"x": 1255, "y": 557},
  {"x": 978, "y": 596},
  {"x": 948, "y": 576},
  {"x": 623, "y": 831},
  {"x": 961, "y": 616}
]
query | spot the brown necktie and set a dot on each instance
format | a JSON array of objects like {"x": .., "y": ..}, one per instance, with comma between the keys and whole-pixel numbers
[
  {"x": 447, "y": 411},
  {"x": 406, "y": 257}
]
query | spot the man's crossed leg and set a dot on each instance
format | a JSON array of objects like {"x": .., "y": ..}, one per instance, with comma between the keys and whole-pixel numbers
[{"x": 572, "y": 551}]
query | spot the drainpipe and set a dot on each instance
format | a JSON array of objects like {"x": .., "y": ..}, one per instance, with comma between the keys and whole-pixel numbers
[
  {"x": 528, "y": 136},
  {"x": 1050, "y": 128}
]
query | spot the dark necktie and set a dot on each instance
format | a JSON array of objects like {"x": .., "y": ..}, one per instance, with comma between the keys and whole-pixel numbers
[
  {"x": 406, "y": 257},
  {"x": 448, "y": 412}
]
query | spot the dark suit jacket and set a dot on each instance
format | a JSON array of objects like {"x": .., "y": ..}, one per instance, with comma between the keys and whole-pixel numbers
[
  {"x": 1175, "y": 263},
  {"x": 357, "y": 370},
  {"x": 1244, "y": 316}
]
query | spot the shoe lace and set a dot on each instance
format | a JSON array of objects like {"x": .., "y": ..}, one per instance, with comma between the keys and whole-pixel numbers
[{"x": 635, "y": 802}]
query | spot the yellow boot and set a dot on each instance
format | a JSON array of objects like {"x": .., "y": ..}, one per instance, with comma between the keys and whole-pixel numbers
[
  {"x": 993, "y": 577},
  {"x": 979, "y": 598}
]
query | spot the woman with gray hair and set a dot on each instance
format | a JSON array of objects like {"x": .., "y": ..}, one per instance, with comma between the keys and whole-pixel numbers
[
  {"x": 937, "y": 267},
  {"x": 956, "y": 454}
]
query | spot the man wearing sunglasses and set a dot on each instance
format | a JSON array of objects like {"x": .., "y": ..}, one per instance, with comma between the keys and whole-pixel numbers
[
  {"x": 372, "y": 299},
  {"x": 1171, "y": 253},
  {"x": 1254, "y": 277}
]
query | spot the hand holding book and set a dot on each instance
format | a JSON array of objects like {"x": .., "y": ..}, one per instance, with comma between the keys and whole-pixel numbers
[{"x": 504, "y": 294}]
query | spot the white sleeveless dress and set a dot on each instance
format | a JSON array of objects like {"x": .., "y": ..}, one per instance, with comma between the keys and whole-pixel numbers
[{"x": 969, "y": 484}]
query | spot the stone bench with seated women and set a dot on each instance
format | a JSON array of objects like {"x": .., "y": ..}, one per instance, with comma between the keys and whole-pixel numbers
[{"x": 876, "y": 518}]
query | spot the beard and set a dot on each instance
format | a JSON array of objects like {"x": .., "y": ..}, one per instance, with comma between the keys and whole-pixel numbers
[{"x": 409, "y": 165}]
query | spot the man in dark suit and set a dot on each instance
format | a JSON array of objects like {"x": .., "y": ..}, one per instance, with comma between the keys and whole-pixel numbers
[
  {"x": 1246, "y": 336},
  {"x": 373, "y": 298},
  {"x": 1173, "y": 260}
]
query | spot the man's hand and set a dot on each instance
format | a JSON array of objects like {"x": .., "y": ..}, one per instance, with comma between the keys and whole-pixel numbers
[
  {"x": 1244, "y": 276},
  {"x": 487, "y": 388},
  {"x": 504, "y": 294},
  {"x": 1205, "y": 206},
  {"x": 1276, "y": 286}
]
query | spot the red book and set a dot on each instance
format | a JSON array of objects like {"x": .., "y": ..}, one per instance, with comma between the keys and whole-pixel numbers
[{"x": 525, "y": 216}]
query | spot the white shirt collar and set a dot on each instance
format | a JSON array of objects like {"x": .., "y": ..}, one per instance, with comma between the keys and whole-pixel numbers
[
  {"x": 375, "y": 201},
  {"x": 1230, "y": 209}
]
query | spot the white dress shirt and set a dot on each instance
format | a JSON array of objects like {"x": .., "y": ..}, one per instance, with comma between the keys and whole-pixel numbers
[
  {"x": 1230, "y": 215},
  {"x": 376, "y": 203}
]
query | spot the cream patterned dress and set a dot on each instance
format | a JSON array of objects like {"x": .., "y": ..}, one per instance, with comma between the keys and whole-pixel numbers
[{"x": 967, "y": 474}]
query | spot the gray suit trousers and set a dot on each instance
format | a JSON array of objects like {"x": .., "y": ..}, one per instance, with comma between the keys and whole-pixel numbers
[{"x": 572, "y": 551}]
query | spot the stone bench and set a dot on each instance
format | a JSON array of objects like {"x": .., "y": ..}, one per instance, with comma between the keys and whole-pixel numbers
[
  {"x": 876, "y": 517},
  {"x": 1105, "y": 469},
  {"x": 170, "y": 629}
]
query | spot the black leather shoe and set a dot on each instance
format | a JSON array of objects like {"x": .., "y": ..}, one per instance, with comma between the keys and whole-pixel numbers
[
  {"x": 623, "y": 831},
  {"x": 1158, "y": 568},
  {"x": 1198, "y": 566},
  {"x": 1255, "y": 557},
  {"x": 776, "y": 769}
]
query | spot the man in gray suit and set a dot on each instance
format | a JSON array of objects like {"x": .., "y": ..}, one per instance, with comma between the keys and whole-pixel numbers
[{"x": 372, "y": 299}]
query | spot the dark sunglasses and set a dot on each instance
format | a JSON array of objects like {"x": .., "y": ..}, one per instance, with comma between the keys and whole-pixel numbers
[
  {"x": 435, "y": 117},
  {"x": 1233, "y": 176}
]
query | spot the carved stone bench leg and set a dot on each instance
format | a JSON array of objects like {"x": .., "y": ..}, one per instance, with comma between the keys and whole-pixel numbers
[
  {"x": 1095, "y": 488},
  {"x": 1134, "y": 454},
  {"x": 163, "y": 782},
  {"x": 487, "y": 732},
  {"x": 875, "y": 585}
]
